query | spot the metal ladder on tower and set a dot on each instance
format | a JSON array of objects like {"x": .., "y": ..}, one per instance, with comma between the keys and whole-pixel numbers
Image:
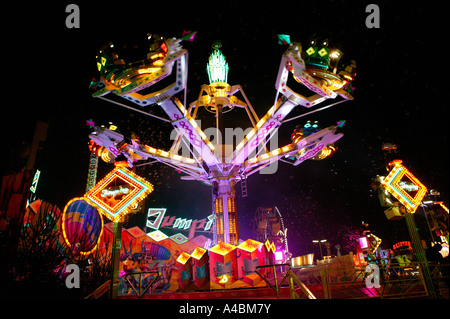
[{"x": 244, "y": 186}]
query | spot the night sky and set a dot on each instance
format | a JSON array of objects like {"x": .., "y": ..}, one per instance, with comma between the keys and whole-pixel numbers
[{"x": 398, "y": 98}]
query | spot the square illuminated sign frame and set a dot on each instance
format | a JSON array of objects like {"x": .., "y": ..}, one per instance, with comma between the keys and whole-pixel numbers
[
  {"x": 393, "y": 186},
  {"x": 137, "y": 189}
]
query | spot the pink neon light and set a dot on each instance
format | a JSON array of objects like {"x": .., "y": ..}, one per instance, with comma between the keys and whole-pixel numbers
[
  {"x": 363, "y": 242},
  {"x": 279, "y": 256}
]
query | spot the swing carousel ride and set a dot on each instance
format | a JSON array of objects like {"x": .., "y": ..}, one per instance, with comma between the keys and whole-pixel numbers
[{"x": 143, "y": 85}]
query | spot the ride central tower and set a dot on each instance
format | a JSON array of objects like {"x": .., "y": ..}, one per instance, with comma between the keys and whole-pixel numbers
[{"x": 219, "y": 101}]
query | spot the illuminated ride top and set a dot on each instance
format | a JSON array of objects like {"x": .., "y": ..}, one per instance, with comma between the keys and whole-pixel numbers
[{"x": 218, "y": 165}]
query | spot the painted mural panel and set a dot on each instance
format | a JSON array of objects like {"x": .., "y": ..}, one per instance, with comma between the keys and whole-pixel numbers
[{"x": 142, "y": 252}]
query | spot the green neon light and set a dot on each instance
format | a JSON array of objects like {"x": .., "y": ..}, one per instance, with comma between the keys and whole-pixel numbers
[
  {"x": 404, "y": 196},
  {"x": 35, "y": 181},
  {"x": 217, "y": 67}
]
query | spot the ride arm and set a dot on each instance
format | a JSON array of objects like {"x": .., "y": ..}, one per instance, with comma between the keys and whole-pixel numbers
[
  {"x": 267, "y": 125},
  {"x": 311, "y": 145},
  {"x": 187, "y": 127},
  {"x": 291, "y": 62},
  {"x": 114, "y": 143},
  {"x": 282, "y": 107}
]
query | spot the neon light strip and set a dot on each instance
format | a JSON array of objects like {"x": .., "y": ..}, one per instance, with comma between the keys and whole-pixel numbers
[
  {"x": 141, "y": 189},
  {"x": 144, "y": 189},
  {"x": 114, "y": 209},
  {"x": 444, "y": 207},
  {"x": 118, "y": 208},
  {"x": 392, "y": 184},
  {"x": 419, "y": 195}
]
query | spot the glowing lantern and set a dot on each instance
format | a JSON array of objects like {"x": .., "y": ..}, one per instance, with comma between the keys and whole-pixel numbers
[{"x": 82, "y": 226}]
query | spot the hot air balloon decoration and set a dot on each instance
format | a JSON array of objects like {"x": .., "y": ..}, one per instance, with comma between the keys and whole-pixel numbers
[{"x": 82, "y": 226}]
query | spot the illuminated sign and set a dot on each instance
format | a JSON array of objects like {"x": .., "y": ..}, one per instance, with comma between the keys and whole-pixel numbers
[
  {"x": 270, "y": 246},
  {"x": 33, "y": 187},
  {"x": 402, "y": 244},
  {"x": 408, "y": 187},
  {"x": 182, "y": 223},
  {"x": 35, "y": 181},
  {"x": 158, "y": 215},
  {"x": 118, "y": 193},
  {"x": 156, "y": 218},
  {"x": 404, "y": 186},
  {"x": 374, "y": 242},
  {"x": 114, "y": 192}
]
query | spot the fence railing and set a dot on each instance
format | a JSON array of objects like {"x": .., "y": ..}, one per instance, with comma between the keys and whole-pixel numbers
[
  {"x": 139, "y": 286},
  {"x": 275, "y": 280},
  {"x": 399, "y": 281},
  {"x": 100, "y": 291}
]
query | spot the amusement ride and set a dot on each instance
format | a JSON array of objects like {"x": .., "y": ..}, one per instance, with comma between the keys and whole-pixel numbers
[{"x": 140, "y": 86}]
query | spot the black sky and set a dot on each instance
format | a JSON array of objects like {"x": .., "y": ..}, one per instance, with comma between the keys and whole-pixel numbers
[{"x": 399, "y": 98}]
